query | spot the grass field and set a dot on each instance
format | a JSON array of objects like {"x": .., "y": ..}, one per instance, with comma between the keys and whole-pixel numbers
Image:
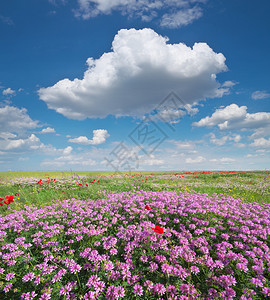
[{"x": 144, "y": 235}]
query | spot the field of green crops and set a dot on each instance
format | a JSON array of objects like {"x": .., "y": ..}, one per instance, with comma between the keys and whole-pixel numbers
[{"x": 146, "y": 235}]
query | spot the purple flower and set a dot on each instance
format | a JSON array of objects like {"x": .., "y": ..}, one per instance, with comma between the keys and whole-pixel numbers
[
  {"x": 119, "y": 291},
  {"x": 167, "y": 269},
  {"x": 195, "y": 269},
  {"x": 9, "y": 276},
  {"x": 137, "y": 290},
  {"x": 99, "y": 286},
  {"x": 75, "y": 268},
  {"x": 28, "y": 277},
  {"x": 159, "y": 289},
  {"x": 143, "y": 258},
  {"x": 266, "y": 291},
  {"x": 7, "y": 287},
  {"x": 242, "y": 267},
  {"x": 90, "y": 296},
  {"x": 153, "y": 266},
  {"x": 92, "y": 280},
  {"x": 256, "y": 282}
]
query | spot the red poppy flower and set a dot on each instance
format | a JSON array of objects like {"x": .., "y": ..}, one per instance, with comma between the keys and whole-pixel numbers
[
  {"x": 6, "y": 202},
  {"x": 16, "y": 194},
  {"x": 63, "y": 191},
  {"x": 158, "y": 229},
  {"x": 98, "y": 181},
  {"x": 1, "y": 199},
  {"x": 147, "y": 207},
  {"x": 1, "y": 204},
  {"x": 80, "y": 184},
  {"x": 86, "y": 184},
  {"x": 10, "y": 198}
]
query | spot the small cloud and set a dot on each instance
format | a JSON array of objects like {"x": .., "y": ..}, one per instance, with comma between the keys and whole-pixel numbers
[
  {"x": 229, "y": 83},
  {"x": 48, "y": 130},
  {"x": 181, "y": 18},
  {"x": 23, "y": 158},
  {"x": 261, "y": 143},
  {"x": 235, "y": 117},
  {"x": 260, "y": 95},
  {"x": 6, "y": 20},
  {"x": 227, "y": 160},
  {"x": 13, "y": 119},
  {"x": 219, "y": 142},
  {"x": 8, "y": 91},
  {"x": 67, "y": 150},
  {"x": 198, "y": 159},
  {"x": 252, "y": 155},
  {"x": 99, "y": 137},
  {"x": 223, "y": 160}
]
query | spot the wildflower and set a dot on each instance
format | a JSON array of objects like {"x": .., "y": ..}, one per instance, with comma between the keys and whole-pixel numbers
[
  {"x": 159, "y": 289},
  {"x": 167, "y": 269},
  {"x": 256, "y": 282},
  {"x": 158, "y": 229},
  {"x": 143, "y": 258},
  {"x": 90, "y": 296},
  {"x": 147, "y": 207},
  {"x": 153, "y": 266},
  {"x": 7, "y": 287},
  {"x": 9, "y": 276},
  {"x": 137, "y": 290},
  {"x": 119, "y": 291},
  {"x": 28, "y": 277},
  {"x": 75, "y": 268},
  {"x": 92, "y": 280}
]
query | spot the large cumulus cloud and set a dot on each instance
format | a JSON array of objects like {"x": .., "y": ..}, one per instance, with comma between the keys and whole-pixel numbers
[{"x": 136, "y": 75}]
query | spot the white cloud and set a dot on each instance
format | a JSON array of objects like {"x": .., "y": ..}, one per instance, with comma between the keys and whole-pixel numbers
[
  {"x": 23, "y": 158},
  {"x": 223, "y": 160},
  {"x": 69, "y": 160},
  {"x": 19, "y": 143},
  {"x": 132, "y": 79},
  {"x": 261, "y": 143},
  {"x": 236, "y": 138},
  {"x": 6, "y": 20},
  {"x": 198, "y": 159},
  {"x": 8, "y": 91},
  {"x": 229, "y": 83},
  {"x": 181, "y": 18},
  {"x": 13, "y": 119},
  {"x": 260, "y": 95},
  {"x": 11, "y": 142},
  {"x": 99, "y": 137},
  {"x": 48, "y": 130},
  {"x": 151, "y": 162},
  {"x": 169, "y": 115},
  {"x": 67, "y": 150},
  {"x": 173, "y": 13},
  {"x": 184, "y": 145},
  {"x": 235, "y": 117},
  {"x": 227, "y": 160}
]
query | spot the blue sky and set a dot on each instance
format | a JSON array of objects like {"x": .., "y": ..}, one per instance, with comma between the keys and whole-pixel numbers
[{"x": 134, "y": 85}]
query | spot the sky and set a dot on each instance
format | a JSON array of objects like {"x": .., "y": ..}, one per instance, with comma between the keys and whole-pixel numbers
[{"x": 95, "y": 85}]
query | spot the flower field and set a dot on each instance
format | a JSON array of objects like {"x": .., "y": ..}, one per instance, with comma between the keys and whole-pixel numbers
[{"x": 184, "y": 235}]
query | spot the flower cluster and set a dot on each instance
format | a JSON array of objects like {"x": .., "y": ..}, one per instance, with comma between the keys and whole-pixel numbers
[{"x": 8, "y": 199}]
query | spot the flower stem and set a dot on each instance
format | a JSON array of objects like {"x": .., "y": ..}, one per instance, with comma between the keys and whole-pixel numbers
[{"x": 78, "y": 280}]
